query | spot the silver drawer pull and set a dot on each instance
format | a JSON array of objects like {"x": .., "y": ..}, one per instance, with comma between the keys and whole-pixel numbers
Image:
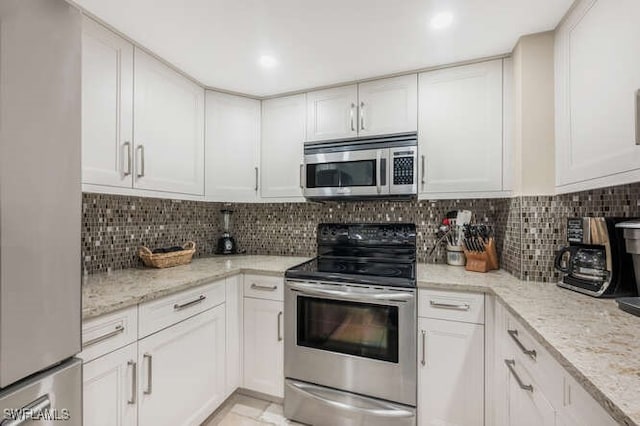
[
  {"x": 530, "y": 352},
  {"x": 149, "y": 388},
  {"x": 134, "y": 381},
  {"x": 279, "y": 327},
  {"x": 29, "y": 412},
  {"x": 200, "y": 299},
  {"x": 255, "y": 286},
  {"x": 638, "y": 117},
  {"x": 511, "y": 364},
  {"x": 458, "y": 307},
  {"x": 423, "y": 361},
  {"x": 119, "y": 329}
]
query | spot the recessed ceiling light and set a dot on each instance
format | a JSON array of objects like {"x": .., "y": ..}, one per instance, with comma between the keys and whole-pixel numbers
[
  {"x": 267, "y": 61},
  {"x": 441, "y": 20}
]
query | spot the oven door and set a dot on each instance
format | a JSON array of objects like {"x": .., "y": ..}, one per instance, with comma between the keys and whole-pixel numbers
[
  {"x": 362, "y": 173},
  {"x": 356, "y": 338}
]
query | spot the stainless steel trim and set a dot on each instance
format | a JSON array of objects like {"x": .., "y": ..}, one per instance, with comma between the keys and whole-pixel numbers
[
  {"x": 301, "y": 175},
  {"x": 134, "y": 381},
  {"x": 200, "y": 299},
  {"x": 638, "y": 117},
  {"x": 422, "y": 181},
  {"x": 118, "y": 329},
  {"x": 361, "y": 115},
  {"x": 353, "y": 128},
  {"x": 149, "y": 388},
  {"x": 127, "y": 149},
  {"x": 530, "y": 352},
  {"x": 361, "y": 143},
  {"x": 455, "y": 307},
  {"x": 29, "y": 411},
  {"x": 279, "y": 326},
  {"x": 255, "y": 286},
  {"x": 140, "y": 172},
  {"x": 511, "y": 364},
  {"x": 256, "y": 169},
  {"x": 423, "y": 361},
  {"x": 316, "y": 392},
  {"x": 378, "y": 171},
  {"x": 378, "y": 296}
]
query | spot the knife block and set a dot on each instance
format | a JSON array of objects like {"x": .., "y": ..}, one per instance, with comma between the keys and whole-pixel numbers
[{"x": 482, "y": 261}]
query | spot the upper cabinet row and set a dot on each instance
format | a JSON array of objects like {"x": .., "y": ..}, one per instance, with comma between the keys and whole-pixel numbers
[{"x": 598, "y": 95}]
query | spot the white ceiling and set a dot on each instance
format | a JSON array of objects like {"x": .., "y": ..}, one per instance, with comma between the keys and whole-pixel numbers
[{"x": 321, "y": 42}]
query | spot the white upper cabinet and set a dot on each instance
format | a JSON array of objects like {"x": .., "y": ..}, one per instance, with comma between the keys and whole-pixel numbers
[
  {"x": 388, "y": 106},
  {"x": 232, "y": 147},
  {"x": 597, "y": 82},
  {"x": 332, "y": 113},
  {"x": 283, "y": 129},
  {"x": 460, "y": 129},
  {"x": 168, "y": 129},
  {"x": 107, "y": 107}
]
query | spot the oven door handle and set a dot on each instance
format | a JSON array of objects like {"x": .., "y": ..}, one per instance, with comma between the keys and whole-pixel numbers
[
  {"x": 316, "y": 290},
  {"x": 378, "y": 408}
]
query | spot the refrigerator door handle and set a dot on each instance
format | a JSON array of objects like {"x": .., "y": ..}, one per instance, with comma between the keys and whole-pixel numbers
[{"x": 30, "y": 410}]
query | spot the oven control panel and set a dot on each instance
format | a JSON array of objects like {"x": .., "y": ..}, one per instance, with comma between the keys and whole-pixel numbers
[{"x": 367, "y": 234}]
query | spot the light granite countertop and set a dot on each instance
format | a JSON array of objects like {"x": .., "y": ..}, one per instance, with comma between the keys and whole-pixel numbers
[{"x": 598, "y": 344}]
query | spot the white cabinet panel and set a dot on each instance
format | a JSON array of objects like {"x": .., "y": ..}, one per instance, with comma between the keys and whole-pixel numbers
[
  {"x": 232, "y": 147},
  {"x": 263, "y": 346},
  {"x": 234, "y": 327},
  {"x": 181, "y": 371},
  {"x": 450, "y": 373},
  {"x": 597, "y": 77},
  {"x": 460, "y": 128},
  {"x": 388, "y": 106},
  {"x": 283, "y": 129},
  {"x": 527, "y": 407},
  {"x": 168, "y": 129},
  {"x": 332, "y": 113},
  {"x": 107, "y": 107},
  {"x": 108, "y": 389}
]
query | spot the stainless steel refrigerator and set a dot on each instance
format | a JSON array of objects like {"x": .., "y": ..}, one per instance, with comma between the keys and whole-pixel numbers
[{"x": 40, "y": 212}]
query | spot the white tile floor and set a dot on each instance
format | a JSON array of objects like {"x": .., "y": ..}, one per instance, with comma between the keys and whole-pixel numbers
[{"x": 241, "y": 410}]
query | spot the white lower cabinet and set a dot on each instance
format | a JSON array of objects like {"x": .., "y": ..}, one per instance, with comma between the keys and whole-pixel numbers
[
  {"x": 526, "y": 404},
  {"x": 264, "y": 346},
  {"x": 109, "y": 389},
  {"x": 450, "y": 373},
  {"x": 181, "y": 371}
]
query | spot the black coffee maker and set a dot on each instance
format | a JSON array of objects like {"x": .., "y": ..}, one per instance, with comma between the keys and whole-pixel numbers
[
  {"x": 226, "y": 243},
  {"x": 596, "y": 262}
]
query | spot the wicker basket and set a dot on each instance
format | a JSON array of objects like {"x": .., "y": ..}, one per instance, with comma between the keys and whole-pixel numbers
[{"x": 167, "y": 260}]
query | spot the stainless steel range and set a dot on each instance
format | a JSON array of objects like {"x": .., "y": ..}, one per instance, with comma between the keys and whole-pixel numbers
[{"x": 350, "y": 328}]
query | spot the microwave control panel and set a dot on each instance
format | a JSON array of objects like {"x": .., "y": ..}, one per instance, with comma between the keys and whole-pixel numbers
[{"x": 403, "y": 167}]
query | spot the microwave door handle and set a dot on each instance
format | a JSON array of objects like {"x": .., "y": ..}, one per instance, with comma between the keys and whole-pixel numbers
[
  {"x": 315, "y": 290},
  {"x": 378, "y": 171}
]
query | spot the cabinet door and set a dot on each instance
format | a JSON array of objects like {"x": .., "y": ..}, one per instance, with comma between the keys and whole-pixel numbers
[
  {"x": 388, "y": 106},
  {"x": 597, "y": 79},
  {"x": 263, "y": 346},
  {"x": 232, "y": 143},
  {"x": 181, "y": 371},
  {"x": 234, "y": 326},
  {"x": 450, "y": 373},
  {"x": 107, "y": 107},
  {"x": 527, "y": 407},
  {"x": 332, "y": 113},
  {"x": 460, "y": 129},
  {"x": 283, "y": 121},
  {"x": 108, "y": 389},
  {"x": 168, "y": 129}
]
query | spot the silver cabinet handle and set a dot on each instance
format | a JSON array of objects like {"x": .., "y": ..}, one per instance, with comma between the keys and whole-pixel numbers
[
  {"x": 319, "y": 290},
  {"x": 126, "y": 149},
  {"x": 424, "y": 348},
  {"x": 422, "y": 181},
  {"x": 530, "y": 352},
  {"x": 200, "y": 299},
  {"x": 134, "y": 381},
  {"x": 279, "y": 327},
  {"x": 119, "y": 329},
  {"x": 255, "y": 286},
  {"x": 361, "y": 115},
  {"x": 511, "y": 364},
  {"x": 140, "y": 172},
  {"x": 638, "y": 117},
  {"x": 452, "y": 306},
  {"x": 149, "y": 388},
  {"x": 353, "y": 127},
  {"x": 29, "y": 412},
  {"x": 302, "y": 176},
  {"x": 378, "y": 171},
  {"x": 257, "y": 172}
]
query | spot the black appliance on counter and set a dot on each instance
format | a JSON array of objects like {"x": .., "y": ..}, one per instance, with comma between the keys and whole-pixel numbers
[
  {"x": 595, "y": 262},
  {"x": 226, "y": 243}
]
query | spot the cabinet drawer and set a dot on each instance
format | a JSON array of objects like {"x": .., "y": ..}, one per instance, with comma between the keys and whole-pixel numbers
[
  {"x": 264, "y": 287},
  {"x": 523, "y": 347},
  {"x": 452, "y": 306},
  {"x": 162, "y": 313},
  {"x": 109, "y": 332}
]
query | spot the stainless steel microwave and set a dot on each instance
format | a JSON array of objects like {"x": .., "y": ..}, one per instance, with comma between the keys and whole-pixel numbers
[{"x": 376, "y": 167}]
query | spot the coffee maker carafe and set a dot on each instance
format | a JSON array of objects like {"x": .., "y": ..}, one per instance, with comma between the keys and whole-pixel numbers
[{"x": 595, "y": 261}]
